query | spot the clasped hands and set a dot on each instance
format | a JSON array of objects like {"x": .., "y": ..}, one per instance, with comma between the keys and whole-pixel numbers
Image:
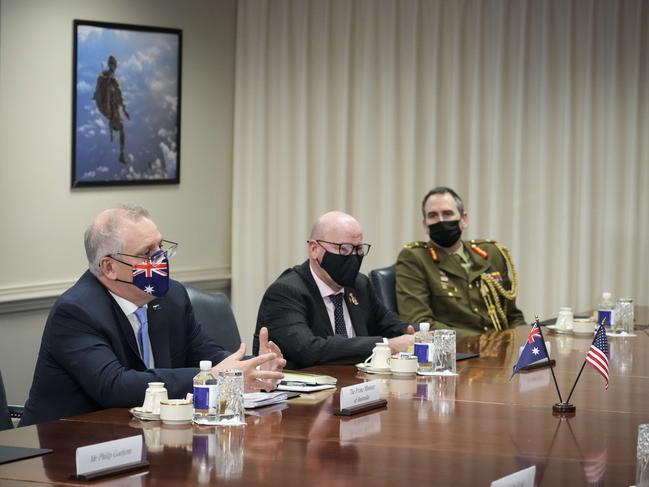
[{"x": 262, "y": 372}]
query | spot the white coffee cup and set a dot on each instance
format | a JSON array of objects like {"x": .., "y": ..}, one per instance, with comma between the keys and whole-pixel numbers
[
  {"x": 583, "y": 325},
  {"x": 380, "y": 357},
  {"x": 155, "y": 393},
  {"x": 403, "y": 365},
  {"x": 564, "y": 319},
  {"x": 176, "y": 411}
]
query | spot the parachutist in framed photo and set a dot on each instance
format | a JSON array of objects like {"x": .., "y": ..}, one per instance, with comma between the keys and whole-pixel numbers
[{"x": 126, "y": 104}]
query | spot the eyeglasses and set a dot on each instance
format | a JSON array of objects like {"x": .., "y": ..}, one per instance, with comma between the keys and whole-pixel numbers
[
  {"x": 167, "y": 247},
  {"x": 347, "y": 248}
]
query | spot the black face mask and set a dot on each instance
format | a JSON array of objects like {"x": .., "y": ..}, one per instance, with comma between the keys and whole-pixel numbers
[
  {"x": 445, "y": 233},
  {"x": 342, "y": 268}
]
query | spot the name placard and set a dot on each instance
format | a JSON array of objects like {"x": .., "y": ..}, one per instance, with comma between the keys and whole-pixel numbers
[
  {"x": 522, "y": 478},
  {"x": 359, "y": 394},
  {"x": 109, "y": 455}
]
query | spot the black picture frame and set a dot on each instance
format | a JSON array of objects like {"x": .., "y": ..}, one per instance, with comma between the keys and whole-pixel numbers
[{"x": 126, "y": 106}]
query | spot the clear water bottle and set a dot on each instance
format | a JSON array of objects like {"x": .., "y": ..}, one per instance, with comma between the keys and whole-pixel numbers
[
  {"x": 424, "y": 349},
  {"x": 205, "y": 394},
  {"x": 605, "y": 310}
]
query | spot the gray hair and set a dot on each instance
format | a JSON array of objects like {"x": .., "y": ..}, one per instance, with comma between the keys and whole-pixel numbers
[
  {"x": 443, "y": 190},
  {"x": 104, "y": 236}
]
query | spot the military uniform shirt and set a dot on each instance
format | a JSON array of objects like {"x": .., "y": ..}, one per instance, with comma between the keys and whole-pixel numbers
[{"x": 446, "y": 293}]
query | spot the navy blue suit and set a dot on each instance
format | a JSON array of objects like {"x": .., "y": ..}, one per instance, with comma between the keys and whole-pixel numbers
[{"x": 89, "y": 359}]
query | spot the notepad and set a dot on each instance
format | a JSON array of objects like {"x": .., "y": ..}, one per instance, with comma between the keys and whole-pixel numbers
[
  {"x": 13, "y": 453},
  {"x": 307, "y": 378},
  {"x": 302, "y": 387}
]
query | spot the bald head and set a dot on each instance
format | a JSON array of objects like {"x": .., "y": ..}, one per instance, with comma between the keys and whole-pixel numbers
[
  {"x": 336, "y": 226},
  {"x": 105, "y": 234}
]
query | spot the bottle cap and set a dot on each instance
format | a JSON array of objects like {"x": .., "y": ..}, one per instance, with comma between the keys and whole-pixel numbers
[
  {"x": 205, "y": 364},
  {"x": 424, "y": 327}
]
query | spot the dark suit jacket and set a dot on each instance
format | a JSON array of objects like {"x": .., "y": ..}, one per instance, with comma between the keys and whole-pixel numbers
[
  {"x": 297, "y": 321},
  {"x": 89, "y": 358}
]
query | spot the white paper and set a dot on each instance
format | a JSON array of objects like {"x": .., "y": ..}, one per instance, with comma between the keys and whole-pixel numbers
[
  {"x": 359, "y": 394},
  {"x": 522, "y": 478},
  {"x": 110, "y": 454},
  {"x": 258, "y": 399}
]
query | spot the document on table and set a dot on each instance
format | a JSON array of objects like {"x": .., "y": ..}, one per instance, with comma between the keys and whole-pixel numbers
[{"x": 259, "y": 399}]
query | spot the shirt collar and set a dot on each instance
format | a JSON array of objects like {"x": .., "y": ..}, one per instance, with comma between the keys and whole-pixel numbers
[
  {"x": 126, "y": 306},
  {"x": 324, "y": 289}
]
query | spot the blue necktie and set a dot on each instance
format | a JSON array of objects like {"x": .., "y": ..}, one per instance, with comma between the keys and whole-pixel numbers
[
  {"x": 143, "y": 335},
  {"x": 339, "y": 318}
]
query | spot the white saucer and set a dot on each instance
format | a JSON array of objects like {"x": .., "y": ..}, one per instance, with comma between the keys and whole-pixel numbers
[
  {"x": 559, "y": 331},
  {"x": 177, "y": 421},
  {"x": 139, "y": 413},
  {"x": 371, "y": 370},
  {"x": 620, "y": 335}
]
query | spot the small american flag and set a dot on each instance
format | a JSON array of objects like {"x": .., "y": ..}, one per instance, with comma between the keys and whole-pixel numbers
[{"x": 598, "y": 353}]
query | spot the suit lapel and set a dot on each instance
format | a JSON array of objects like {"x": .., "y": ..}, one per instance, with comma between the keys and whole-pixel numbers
[
  {"x": 159, "y": 334},
  {"x": 450, "y": 265},
  {"x": 355, "y": 312},
  {"x": 126, "y": 329},
  {"x": 321, "y": 319},
  {"x": 478, "y": 265}
]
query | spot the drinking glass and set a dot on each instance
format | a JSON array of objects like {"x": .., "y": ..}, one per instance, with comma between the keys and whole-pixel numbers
[
  {"x": 624, "y": 316},
  {"x": 444, "y": 341},
  {"x": 642, "y": 456},
  {"x": 230, "y": 404}
]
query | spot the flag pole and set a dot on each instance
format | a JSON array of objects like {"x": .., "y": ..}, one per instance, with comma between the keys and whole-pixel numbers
[
  {"x": 538, "y": 325},
  {"x": 581, "y": 370},
  {"x": 577, "y": 380}
]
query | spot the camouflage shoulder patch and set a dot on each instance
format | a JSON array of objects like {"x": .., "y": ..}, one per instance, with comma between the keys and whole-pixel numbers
[{"x": 417, "y": 244}]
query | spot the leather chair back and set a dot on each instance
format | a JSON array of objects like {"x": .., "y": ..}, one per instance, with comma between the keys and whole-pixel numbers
[
  {"x": 213, "y": 312},
  {"x": 5, "y": 417},
  {"x": 383, "y": 281}
]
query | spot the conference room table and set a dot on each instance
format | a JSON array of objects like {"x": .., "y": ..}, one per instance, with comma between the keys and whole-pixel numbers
[{"x": 463, "y": 430}]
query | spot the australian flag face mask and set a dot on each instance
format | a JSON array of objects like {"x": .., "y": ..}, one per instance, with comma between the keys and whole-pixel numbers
[{"x": 152, "y": 275}]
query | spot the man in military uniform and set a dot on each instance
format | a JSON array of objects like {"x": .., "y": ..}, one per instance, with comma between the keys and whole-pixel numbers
[
  {"x": 451, "y": 283},
  {"x": 108, "y": 97}
]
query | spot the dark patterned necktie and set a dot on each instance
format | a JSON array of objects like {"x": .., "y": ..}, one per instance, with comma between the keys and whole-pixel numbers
[{"x": 339, "y": 318}]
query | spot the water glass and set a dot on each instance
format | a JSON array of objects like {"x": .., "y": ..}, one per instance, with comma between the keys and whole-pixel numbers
[
  {"x": 444, "y": 341},
  {"x": 624, "y": 316},
  {"x": 642, "y": 457},
  {"x": 230, "y": 403}
]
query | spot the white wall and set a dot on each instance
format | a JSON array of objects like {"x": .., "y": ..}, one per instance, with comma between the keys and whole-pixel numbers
[{"x": 42, "y": 219}]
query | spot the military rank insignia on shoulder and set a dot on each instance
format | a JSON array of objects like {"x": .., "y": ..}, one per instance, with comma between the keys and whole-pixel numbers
[
  {"x": 417, "y": 244},
  {"x": 481, "y": 252}
]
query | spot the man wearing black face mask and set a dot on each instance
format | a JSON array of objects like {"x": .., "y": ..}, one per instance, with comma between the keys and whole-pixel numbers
[
  {"x": 450, "y": 283},
  {"x": 324, "y": 311},
  {"x": 124, "y": 324}
]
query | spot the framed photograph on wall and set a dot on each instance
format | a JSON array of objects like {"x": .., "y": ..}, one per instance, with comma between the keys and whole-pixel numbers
[{"x": 126, "y": 104}]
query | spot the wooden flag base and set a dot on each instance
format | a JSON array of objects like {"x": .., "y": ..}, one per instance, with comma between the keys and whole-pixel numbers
[{"x": 563, "y": 409}]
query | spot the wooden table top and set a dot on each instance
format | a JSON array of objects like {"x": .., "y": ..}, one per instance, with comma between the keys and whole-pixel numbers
[{"x": 465, "y": 430}]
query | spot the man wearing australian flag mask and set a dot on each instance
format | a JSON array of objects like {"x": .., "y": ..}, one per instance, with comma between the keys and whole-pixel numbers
[
  {"x": 124, "y": 324},
  {"x": 470, "y": 286},
  {"x": 324, "y": 311},
  {"x": 152, "y": 274}
]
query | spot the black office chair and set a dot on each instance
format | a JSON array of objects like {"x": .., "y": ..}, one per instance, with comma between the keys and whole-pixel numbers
[
  {"x": 5, "y": 416},
  {"x": 383, "y": 281},
  {"x": 213, "y": 312}
]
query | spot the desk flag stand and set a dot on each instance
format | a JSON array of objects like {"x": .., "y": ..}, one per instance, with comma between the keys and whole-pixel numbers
[
  {"x": 561, "y": 408},
  {"x": 597, "y": 356},
  {"x": 530, "y": 358}
]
